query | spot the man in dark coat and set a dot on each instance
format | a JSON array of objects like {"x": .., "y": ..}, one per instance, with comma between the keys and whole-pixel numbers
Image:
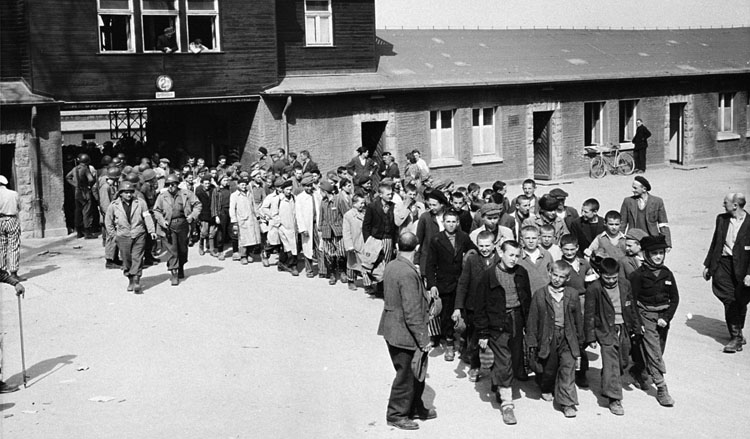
[
  {"x": 362, "y": 165},
  {"x": 588, "y": 226},
  {"x": 403, "y": 324},
  {"x": 728, "y": 264},
  {"x": 444, "y": 265},
  {"x": 640, "y": 143},
  {"x": 82, "y": 179},
  {"x": 379, "y": 224}
]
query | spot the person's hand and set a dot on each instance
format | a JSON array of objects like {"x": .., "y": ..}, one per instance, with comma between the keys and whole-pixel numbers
[
  {"x": 746, "y": 281},
  {"x": 592, "y": 345},
  {"x": 483, "y": 343},
  {"x": 434, "y": 293},
  {"x": 706, "y": 274},
  {"x": 20, "y": 290},
  {"x": 456, "y": 315},
  {"x": 427, "y": 347},
  {"x": 662, "y": 323},
  {"x": 218, "y": 221}
]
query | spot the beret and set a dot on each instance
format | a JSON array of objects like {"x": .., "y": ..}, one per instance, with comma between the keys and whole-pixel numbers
[
  {"x": 558, "y": 193},
  {"x": 361, "y": 179},
  {"x": 206, "y": 177},
  {"x": 652, "y": 243},
  {"x": 490, "y": 209},
  {"x": 307, "y": 180},
  {"x": 286, "y": 184},
  {"x": 241, "y": 180},
  {"x": 642, "y": 180},
  {"x": 548, "y": 203},
  {"x": 279, "y": 182},
  {"x": 263, "y": 150},
  {"x": 326, "y": 186},
  {"x": 636, "y": 234},
  {"x": 436, "y": 195}
]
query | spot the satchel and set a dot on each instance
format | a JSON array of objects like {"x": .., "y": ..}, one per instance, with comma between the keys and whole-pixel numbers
[
  {"x": 419, "y": 365},
  {"x": 433, "y": 324}
]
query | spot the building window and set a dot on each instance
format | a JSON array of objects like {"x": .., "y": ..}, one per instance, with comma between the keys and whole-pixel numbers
[
  {"x": 726, "y": 115},
  {"x": 318, "y": 23},
  {"x": 115, "y": 26},
  {"x": 441, "y": 134},
  {"x": 593, "y": 113},
  {"x": 628, "y": 116},
  {"x": 483, "y": 131},
  {"x": 157, "y": 16},
  {"x": 203, "y": 23}
]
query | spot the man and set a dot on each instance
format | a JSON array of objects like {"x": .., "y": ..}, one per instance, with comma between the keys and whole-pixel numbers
[
  {"x": 161, "y": 172},
  {"x": 521, "y": 214},
  {"x": 728, "y": 264},
  {"x": 640, "y": 143},
  {"x": 379, "y": 225},
  {"x": 128, "y": 220},
  {"x": 284, "y": 226},
  {"x": 361, "y": 165},
  {"x": 175, "y": 210},
  {"x": 306, "y": 160},
  {"x": 529, "y": 187},
  {"x": 490, "y": 214},
  {"x": 332, "y": 254},
  {"x": 82, "y": 179},
  {"x": 204, "y": 193},
  {"x": 307, "y": 212},
  {"x": 108, "y": 193},
  {"x": 297, "y": 177},
  {"x": 429, "y": 225},
  {"x": 548, "y": 215},
  {"x": 220, "y": 216},
  {"x": 403, "y": 324},
  {"x": 424, "y": 169},
  {"x": 389, "y": 168},
  {"x": 243, "y": 214},
  {"x": 10, "y": 229},
  {"x": 567, "y": 213},
  {"x": 645, "y": 211},
  {"x": 166, "y": 42},
  {"x": 444, "y": 264},
  {"x": 588, "y": 226},
  {"x": 150, "y": 193},
  {"x": 279, "y": 161},
  {"x": 263, "y": 162},
  {"x": 9, "y": 279},
  {"x": 407, "y": 212}
]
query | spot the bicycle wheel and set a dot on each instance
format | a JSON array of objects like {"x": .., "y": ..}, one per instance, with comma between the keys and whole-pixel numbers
[
  {"x": 625, "y": 165},
  {"x": 598, "y": 168}
]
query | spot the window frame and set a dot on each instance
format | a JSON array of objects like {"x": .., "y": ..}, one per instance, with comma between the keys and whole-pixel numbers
[
  {"x": 317, "y": 16},
  {"x": 120, "y": 12},
  {"x": 204, "y": 13},
  {"x": 491, "y": 143},
  {"x": 440, "y": 135},
  {"x": 162, "y": 12},
  {"x": 630, "y": 127},
  {"x": 595, "y": 127},
  {"x": 721, "y": 125}
]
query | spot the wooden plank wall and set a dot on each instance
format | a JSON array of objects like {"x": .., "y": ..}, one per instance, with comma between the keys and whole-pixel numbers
[{"x": 14, "y": 56}]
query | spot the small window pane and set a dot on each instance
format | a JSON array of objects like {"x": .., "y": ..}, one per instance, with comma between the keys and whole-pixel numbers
[
  {"x": 202, "y": 27},
  {"x": 310, "y": 29},
  {"x": 318, "y": 6},
  {"x": 325, "y": 35},
  {"x": 445, "y": 119},
  {"x": 487, "y": 116},
  {"x": 433, "y": 120},
  {"x": 201, "y": 5},
  {"x": 114, "y": 4},
  {"x": 159, "y": 5},
  {"x": 115, "y": 32},
  {"x": 475, "y": 117}
]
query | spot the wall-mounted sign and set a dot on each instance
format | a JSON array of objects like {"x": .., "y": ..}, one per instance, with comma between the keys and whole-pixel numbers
[
  {"x": 164, "y": 94},
  {"x": 164, "y": 83}
]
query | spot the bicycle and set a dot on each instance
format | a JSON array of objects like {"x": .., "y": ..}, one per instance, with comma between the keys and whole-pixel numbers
[{"x": 608, "y": 158}]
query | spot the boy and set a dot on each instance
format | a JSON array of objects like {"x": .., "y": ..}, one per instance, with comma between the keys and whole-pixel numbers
[
  {"x": 611, "y": 242},
  {"x": 475, "y": 262},
  {"x": 554, "y": 334},
  {"x": 475, "y": 200},
  {"x": 528, "y": 187},
  {"x": 502, "y": 304},
  {"x": 331, "y": 232},
  {"x": 611, "y": 319},
  {"x": 588, "y": 226},
  {"x": 547, "y": 241},
  {"x": 534, "y": 259},
  {"x": 633, "y": 256},
  {"x": 354, "y": 244},
  {"x": 458, "y": 205},
  {"x": 656, "y": 296}
]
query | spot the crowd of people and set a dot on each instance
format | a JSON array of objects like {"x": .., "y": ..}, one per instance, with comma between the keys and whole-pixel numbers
[{"x": 517, "y": 286}]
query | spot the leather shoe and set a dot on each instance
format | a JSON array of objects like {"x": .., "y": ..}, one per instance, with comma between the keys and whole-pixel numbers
[
  {"x": 6, "y": 388},
  {"x": 404, "y": 424},
  {"x": 424, "y": 414}
]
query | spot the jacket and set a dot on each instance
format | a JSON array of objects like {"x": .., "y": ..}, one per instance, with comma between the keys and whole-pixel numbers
[
  {"x": 740, "y": 250},
  {"x": 205, "y": 196},
  {"x": 656, "y": 216},
  {"x": 540, "y": 325},
  {"x": 163, "y": 208},
  {"x": 651, "y": 290},
  {"x": 331, "y": 218},
  {"x": 444, "y": 261},
  {"x": 599, "y": 313},
  {"x": 585, "y": 233},
  {"x": 403, "y": 323},
  {"x": 539, "y": 271},
  {"x": 640, "y": 138},
  {"x": 243, "y": 212},
  {"x": 473, "y": 267},
  {"x": 119, "y": 225},
  {"x": 352, "y": 239},
  {"x": 376, "y": 222},
  {"x": 407, "y": 215},
  {"x": 356, "y": 169},
  {"x": 490, "y": 315},
  {"x": 307, "y": 211},
  {"x": 284, "y": 221},
  {"x": 427, "y": 228}
]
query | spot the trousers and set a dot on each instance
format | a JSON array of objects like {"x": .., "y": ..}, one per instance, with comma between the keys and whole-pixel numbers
[
  {"x": 131, "y": 253},
  {"x": 177, "y": 243},
  {"x": 406, "y": 391},
  {"x": 559, "y": 370},
  {"x": 733, "y": 294},
  {"x": 84, "y": 213},
  {"x": 615, "y": 362},
  {"x": 639, "y": 157},
  {"x": 648, "y": 352},
  {"x": 10, "y": 243}
]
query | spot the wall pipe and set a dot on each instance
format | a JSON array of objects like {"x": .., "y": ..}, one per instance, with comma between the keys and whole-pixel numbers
[
  {"x": 285, "y": 133},
  {"x": 36, "y": 178}
]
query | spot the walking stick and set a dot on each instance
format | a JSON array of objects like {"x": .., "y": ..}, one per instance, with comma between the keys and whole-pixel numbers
[{"x": 23, "y": 357}]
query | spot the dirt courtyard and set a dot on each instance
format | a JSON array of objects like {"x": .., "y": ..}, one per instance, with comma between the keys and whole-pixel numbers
[{"x": 248, "y": 352}]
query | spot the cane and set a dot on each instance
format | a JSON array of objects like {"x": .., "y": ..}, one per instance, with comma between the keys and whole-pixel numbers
[{"x": 23, "y": 357}]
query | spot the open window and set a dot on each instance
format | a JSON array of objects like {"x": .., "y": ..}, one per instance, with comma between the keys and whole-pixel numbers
[
  {"x": 157, "y": 17},
  {"x": 203, "y": 24},
  {"x": 318, "y": 23},
  {"x": 115, "y": 26}
]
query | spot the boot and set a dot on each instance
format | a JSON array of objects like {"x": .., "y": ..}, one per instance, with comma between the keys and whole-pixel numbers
[
  {"x": 332, "y": 278},
  {"x": 137, "y": 288},
  {"x": 174, "y": 278},
  {"x": 211, "y": 248},
  {"x": 264, "y": 258},
  {"x": 201, "y": 249},
  {"x": 79, "y": 233},
  {"x": 181, "y": 272},
  {"x": 735, "y": 344},
  {"x": 308, "y": 268},
  {"x": 450, "y": 354},
  {"x": 89, "y": 234},
  {"x": 662, "y": 396},
  {"x": 222, "y": 256},
  {"x": 131, "y": 283},
  {"x": 505, "y": 398}
]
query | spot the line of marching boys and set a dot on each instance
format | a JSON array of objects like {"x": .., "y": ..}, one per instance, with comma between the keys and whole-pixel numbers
[{"x": 529, "y": 284}]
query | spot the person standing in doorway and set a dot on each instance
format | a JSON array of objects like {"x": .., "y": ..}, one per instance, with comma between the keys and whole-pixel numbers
[{"x": 640, "y": 142}]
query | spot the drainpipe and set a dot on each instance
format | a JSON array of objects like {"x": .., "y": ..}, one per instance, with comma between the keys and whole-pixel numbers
[
  {"x": 36, "y": 178},
  {"x": 285, "y": 133}
]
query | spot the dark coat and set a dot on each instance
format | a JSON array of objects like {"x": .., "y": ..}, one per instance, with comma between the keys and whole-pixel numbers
[
  {"x": 740, "y": 251},
  {"x": 356, "y": 169},
  {"x": 377, "y": 221},
  {"x": 640, "y": 138},
  {"x": 652, "y": 290},
  {"x": 583, "y": 232},
  {"x": 403, "y": 323},
  {"x": 444, "y": 262},
  {"x": 571, "y": 214},
  {"x": 471, "y": 272},
  {"x": 540, "y": 325},
  {"x": 490, "y": 316},
  {"x": 310, "y": 166},
  {"x": 427, "y": 228},
  {"x": 599, "y": 313},
  {"x": 655, "y": 215},
  {"x": 390, "y": 171}
]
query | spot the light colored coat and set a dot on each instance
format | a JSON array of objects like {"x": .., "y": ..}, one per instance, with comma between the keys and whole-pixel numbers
[
  {"x": 271, "y": 199},
  {"x": 284, "y": 221},
  {"x": 354, "y": 243},
  {"x": 307, "y": 210},
  {"x": 117, "y": 222},
  {"x": 403, "y": 218},
  {"x": 242, "y": 211}
]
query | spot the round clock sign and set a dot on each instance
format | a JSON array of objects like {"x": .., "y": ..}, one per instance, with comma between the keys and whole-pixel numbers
[{"x": 164, "y": 83}]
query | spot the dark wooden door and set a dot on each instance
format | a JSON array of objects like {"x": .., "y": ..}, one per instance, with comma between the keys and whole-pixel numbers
[{"x": 542, "y": 165}]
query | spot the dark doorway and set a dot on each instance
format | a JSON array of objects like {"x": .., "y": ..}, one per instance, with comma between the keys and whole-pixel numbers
[
  {"x": 542, "y": 166},
  {"x": 7, "y": 159},
  {"x": 676, "y": 132},
  {"x": 373, "y": 138}
]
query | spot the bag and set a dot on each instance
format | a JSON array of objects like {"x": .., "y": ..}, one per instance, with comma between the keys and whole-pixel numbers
[
  {"x": 419, "y": 365},
  {"x": 195, "y": 233},
  {"x": 433, "y": 325},
  {"x": 486, "y": 358}
]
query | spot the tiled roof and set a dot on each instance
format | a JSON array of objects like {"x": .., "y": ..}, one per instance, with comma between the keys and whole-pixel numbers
[{"x": 421, "y": 59}]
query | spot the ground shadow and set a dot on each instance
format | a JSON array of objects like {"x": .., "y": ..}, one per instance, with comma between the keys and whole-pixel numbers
[
  {"x": 152, "y": 281},
  {"x": 461, "y": 368},
  {"x": 40, "y": 271},
  {"x": 709, "y": 327},
  {"x": 6, "y": 406},
  {"x": 428, "y": 396},
  {"x": 203, "y": 269},
  {"x": 41, "y": 370}
]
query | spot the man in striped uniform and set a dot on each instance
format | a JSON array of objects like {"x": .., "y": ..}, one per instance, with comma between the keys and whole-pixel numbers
[{"x": 10, "y": 229}]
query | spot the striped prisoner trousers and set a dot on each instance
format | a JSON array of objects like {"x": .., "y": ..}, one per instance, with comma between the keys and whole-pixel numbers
[{"x": 10, "y": 243}]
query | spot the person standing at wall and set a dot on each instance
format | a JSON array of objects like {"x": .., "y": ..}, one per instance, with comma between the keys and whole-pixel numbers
[
  {"x": 10, "y": 229},
  {"x": 640, "y": 142}
]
